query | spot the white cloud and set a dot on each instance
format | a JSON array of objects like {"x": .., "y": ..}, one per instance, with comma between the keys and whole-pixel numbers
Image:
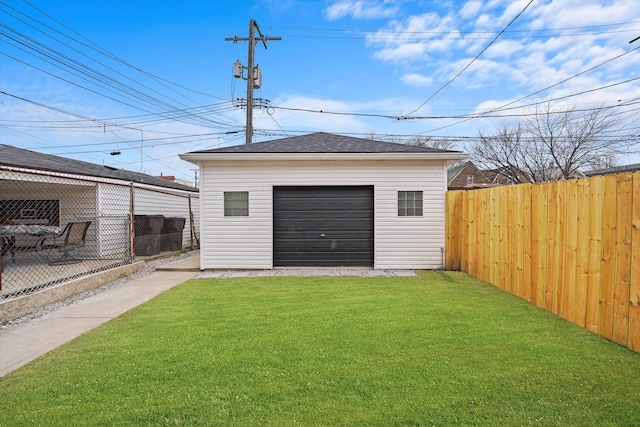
[
  {"x": 406, "y": 52},
  {"x": 429, "y": 44},
  {"x": 503, "y": 49},
  {"x": 414, "y": 39},
  {"x": 417, "y": 80},
  {"x": 579, "y": 13},
  {"x": 360, "y": 9},
  {"x": 471, "y": 9}
]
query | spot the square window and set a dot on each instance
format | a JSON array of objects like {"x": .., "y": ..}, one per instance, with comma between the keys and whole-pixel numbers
[
  {"x": 236, "y": 203},
  {"x": 409, "y": 203}
]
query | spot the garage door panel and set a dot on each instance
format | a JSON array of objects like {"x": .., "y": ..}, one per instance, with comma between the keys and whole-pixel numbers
[
  {"x": 305, "y": 206},
  {"x": 311, "y": 235},
  {"x": 343, "y": 214},
  {"x": 298, "y": 214},
  {"x": 326, "y": 226},
  {"x": 333, "y": 245}
]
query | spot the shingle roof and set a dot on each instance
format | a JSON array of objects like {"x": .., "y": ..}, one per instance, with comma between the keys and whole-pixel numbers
[
  {"x": 19, "y": 157},
  {"x": 616, "y": 169},
  {"x": 321, "y": 142}
]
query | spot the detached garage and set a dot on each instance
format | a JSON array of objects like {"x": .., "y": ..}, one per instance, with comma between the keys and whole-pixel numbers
[{"x": 322, "y": 200}]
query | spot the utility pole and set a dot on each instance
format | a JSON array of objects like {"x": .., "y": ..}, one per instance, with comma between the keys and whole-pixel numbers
[
  {"x": 253, "y": 26},
  {"x": 195, "y": 181}
]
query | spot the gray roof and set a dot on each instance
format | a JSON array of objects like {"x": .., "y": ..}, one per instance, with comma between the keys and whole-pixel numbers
[
  {"x": 616, "y": 169},
  {"x": 19, "y": 157},
  {"x": 321, "y": 142}
]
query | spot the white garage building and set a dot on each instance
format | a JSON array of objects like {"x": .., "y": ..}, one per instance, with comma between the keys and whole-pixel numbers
[{"x": 322, "y": 200}]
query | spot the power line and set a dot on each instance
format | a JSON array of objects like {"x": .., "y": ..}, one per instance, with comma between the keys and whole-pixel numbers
[
  {"x": 91, "y": 45},
  {"x": 58, "y": 59}
]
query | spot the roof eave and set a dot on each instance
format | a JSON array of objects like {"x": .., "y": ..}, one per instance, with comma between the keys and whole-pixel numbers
[{"x": 197, "y": 158}]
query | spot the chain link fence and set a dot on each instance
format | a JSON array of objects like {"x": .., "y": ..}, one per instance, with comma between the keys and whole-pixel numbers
[{"x": 54, "y": 228}]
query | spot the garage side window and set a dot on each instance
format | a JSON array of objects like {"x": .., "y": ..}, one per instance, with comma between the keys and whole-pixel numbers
[
  {"x": 236, "y": 203},
  {"x": 409, "y": 203}
]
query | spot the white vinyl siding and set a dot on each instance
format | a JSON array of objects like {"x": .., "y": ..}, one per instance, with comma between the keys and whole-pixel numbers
[{"x": 246, "y": 242}]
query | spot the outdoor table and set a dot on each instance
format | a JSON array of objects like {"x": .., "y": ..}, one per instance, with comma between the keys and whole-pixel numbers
[{"x": 8, "y": 233}]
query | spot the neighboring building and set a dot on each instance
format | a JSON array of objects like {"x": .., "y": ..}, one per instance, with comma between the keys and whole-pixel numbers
[
  {"x": 554, "y": 173},
  {"x": 510, "y": 175},
  {"x": 616, "y": 169},
  {"x": 466, "y": 175},
  {"x": 322, "y": 200},
  {"x": 172, "y": 178},
  {"x": 41, "y": 188},
  {"x": 503, "y": 176}
]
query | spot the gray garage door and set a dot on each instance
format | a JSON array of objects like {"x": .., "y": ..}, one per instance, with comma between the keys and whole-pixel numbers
[{"x": 328, "y": 226}]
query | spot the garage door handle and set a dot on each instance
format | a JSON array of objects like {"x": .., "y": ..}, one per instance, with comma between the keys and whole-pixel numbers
[{"x": 322, "y": 235}]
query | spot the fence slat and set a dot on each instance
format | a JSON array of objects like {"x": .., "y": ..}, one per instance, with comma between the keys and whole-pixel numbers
[
  {"x": 623, "y": 260},
  {"x": 503, "y": 255},
  {"x": 571, "y": 250},
  {"x": 526, "y": 201},
  {"x": 550, "y": 267},
  {"x": 608, "y": 265},
  {"x": 486, "y": 229},
  {"x": 596, "y": 197},
  {"x": 558, "y": 250},
  {"x": 512, "y": 229},
  {"x": 582, "y": 253},
  {"x": 536, "y": 224},
  {"x": 520, "y": 240}
]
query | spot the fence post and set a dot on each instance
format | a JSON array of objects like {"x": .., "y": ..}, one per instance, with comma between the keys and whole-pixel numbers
[{"x": 132, "y": 222}]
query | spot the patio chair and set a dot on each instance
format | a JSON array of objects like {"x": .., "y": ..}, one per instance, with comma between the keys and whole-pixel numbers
[{"x": 71, "y": 238}]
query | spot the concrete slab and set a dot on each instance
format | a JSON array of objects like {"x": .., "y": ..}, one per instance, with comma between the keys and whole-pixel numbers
[{"x": 190, "y": 263}]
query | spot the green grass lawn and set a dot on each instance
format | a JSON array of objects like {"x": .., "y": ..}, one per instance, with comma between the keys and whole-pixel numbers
[{"x": 441, "y": 349}]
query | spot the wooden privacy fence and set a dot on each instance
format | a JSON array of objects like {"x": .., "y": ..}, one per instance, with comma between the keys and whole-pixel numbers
[{"x": 570, "y": 247}]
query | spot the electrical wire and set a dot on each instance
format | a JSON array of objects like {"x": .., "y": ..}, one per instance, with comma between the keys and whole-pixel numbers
[
  {"x": 54, "y": 57},
  {"x": 101, "y": 50}
]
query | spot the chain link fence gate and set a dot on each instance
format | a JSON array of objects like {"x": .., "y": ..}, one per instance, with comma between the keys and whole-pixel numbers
[{"x": 55, "y": 228}]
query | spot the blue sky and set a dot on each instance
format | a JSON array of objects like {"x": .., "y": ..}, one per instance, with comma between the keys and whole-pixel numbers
[{"x": 153, "y": 79}]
